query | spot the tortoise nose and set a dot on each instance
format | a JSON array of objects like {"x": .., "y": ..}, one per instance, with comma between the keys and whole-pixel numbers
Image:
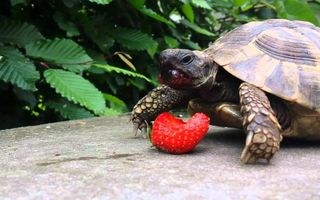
[
  {"x": 165, "y": 55},
  {"x": 168, "y": 58}
]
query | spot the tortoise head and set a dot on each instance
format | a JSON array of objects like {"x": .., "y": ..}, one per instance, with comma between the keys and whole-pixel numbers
[{"x": 186, "y": 69}]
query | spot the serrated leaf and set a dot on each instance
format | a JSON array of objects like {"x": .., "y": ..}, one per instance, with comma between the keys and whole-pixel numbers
[
  {"x": 133, "y": 39},
  {"x": 69, "y": 111},
  {"x": 17, "y": 69},
  {"x": 62, "y": 52},
  {"x": 18, "y": 33},
  {"x": 76, "y": 89},
  {"x": 197, "y": 28},
  {"x": 103, "y": 2},
  {"x": 118, "y": 70},
  {"x": 201, "y": 4}
]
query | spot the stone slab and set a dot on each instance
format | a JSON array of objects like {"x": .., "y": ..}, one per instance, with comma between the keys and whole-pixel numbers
[{"x": 100, "y": 158}]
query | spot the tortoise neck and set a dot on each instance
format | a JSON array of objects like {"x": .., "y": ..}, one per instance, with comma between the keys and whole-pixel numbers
[{"x": 210, "y": 81}]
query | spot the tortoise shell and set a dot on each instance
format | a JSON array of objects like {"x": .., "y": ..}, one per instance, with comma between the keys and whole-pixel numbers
[{"x": 281, "y": 57}]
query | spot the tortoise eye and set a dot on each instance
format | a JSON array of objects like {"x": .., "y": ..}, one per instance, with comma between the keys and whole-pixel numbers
[{"x": 187, "y": 60}]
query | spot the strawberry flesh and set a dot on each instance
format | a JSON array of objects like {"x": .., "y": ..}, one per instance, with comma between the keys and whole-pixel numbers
[{"x": 176, "y": 136}]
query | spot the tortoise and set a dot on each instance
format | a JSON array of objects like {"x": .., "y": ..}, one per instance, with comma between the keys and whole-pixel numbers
[{"x": 263, "y": 76}]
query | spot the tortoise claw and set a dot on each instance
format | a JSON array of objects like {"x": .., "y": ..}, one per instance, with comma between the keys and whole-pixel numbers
[
  {"x": 140, "y": 126},
  {"x": 135, "y": 129},
  {"x": 259, "y": 146}
]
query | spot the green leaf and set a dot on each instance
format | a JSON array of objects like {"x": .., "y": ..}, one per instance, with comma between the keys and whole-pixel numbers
[
  {"x": 140, "y": 6},
  {"x": 188, "y": 12},
  {"x": 152, "y": 50},
  {"x": 116, "y": 103},
  {"x": 103, "y": 41},
  {"x": 118, "y": 70},
  {"x": 111, "y": 112},
  {"x": 240, "y": 2},
  {"x": 98, "y": 57},
  {"x": 69, "y": 27},
  {"x": 296, "y": 10},
  {"x": 196, "y": 28},
  {"x": 62, "y": 52},
  {"x": 69, "y": 111},
  {"x": 18, "y": 33},
  {"x": 137, "y": 3},
  {"x": 192, "y": 45},
  {"x": 171, "y": 42},
  {"x": 156, "y": 16},
  {"x": 113, "y": 100},
  {"x": 103, "y": 2},
  {"x": 17, "y": 69},
  {"x": 76, "y": 89},
  {"x": 133, "y": 39},
  {"x": 16, "y": 2},
  {"x": 201, "y": 4},
  {"x": 137, "y": 83}
]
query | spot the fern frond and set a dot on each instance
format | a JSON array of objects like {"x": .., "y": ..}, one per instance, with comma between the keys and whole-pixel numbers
[
  {"x": 118, "y": 70},
  {"x": 103, "y": 2}
]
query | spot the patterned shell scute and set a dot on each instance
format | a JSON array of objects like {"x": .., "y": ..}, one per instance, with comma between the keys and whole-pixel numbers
[{"x": 281, "y": 57}]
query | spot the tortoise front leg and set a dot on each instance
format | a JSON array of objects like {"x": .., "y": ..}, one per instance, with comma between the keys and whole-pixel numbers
[
  {"x": 260, "y": 124},
  {"x": 159, "y": 100}
]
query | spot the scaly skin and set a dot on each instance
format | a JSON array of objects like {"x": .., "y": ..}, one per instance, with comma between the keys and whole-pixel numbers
[
  {"x": 260, "y": 124},
  {"x": 159, "y": 100}
]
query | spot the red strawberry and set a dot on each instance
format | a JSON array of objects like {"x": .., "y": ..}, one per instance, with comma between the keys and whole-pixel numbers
[{"x": 175, "y": 136}]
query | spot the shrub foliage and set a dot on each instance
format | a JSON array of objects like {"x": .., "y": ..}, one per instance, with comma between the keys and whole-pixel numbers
[{"x": 82, "y": 58}]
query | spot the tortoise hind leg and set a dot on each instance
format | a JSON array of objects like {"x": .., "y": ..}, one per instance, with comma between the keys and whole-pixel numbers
[{"x": 260, "y": 124}]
